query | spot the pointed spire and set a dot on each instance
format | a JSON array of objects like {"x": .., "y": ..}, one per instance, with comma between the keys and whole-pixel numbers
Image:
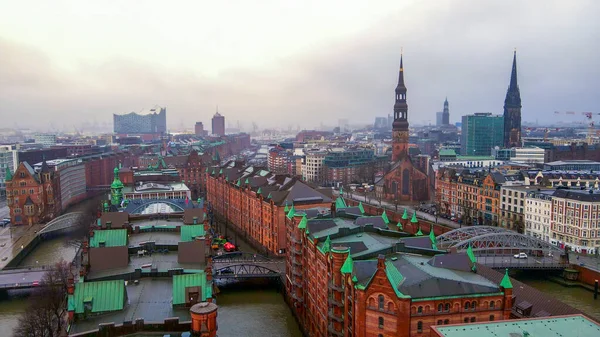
[
  {"x": 470, "y": 254},
  {"x": 401, "y": 87},
  {"x": 302, "y": 223},
  {"x": 505, "y": 283},
  {"x": 405, "y": 215},
  {"x": 432, "y": 235},
  {"x": 239, "y": 183},
  {"x": 400, "y": 226},
  {"x": 8, "y": 176},
  {"x": 292, "y": 212},
  {"x": 414, "y": 218},
  {"x": 259, "y": 191},
  {"x": 513, "y": 95},
  {"x": 269, "y": 196},
  {"x": 348, "y": 265},
  {"x": 513, "y": 75},
  {"x": 326, "y": 245},
  {"x": 419, "y": 232},
  {"x": 341, "y": 191},
  {"x": 361, "y": 208},
  {"x": 247, "y": 181},
  {"x": 286, "y": 209},
  {"x": 385, "y": 217},
  {"x": 221, "y": 171}
]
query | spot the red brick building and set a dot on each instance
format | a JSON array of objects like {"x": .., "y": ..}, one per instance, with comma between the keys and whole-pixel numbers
[
  {"x": 256, "y": 201},
  {"x": 32, "y": 197},
  {"x": 406, "y": 181},
  {"x": 348, "y": 275}
]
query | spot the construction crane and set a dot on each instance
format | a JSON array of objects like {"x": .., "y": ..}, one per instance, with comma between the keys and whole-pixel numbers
[{"x": 590, "y": 122}]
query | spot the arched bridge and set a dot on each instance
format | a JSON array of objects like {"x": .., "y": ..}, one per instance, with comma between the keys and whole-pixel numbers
[
  {"x": 63, "y": 222},
  {"x": 496, "y": 247},
  {"x": 246, "y": 265}
]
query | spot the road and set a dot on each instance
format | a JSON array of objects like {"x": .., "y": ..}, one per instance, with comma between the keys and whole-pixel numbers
[
  {"x": 387, "y": 205},
  {"x": 4, "y": 211},
  {"x": 13, "y": 239},
  {"x": 20, "y": 279},
  {"x": 511, "y": 262}
]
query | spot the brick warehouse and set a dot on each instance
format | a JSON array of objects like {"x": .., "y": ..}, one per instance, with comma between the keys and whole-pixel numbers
[
  {"x": 349, "y": 275},
  {"x": 256, "y": 201}
]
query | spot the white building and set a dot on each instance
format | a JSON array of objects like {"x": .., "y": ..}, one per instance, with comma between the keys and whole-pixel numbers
[
  {"x": 576, "y": 220},
  {"x": 528, "y": 155},
  {"x": 538, "y": 211},
  {"x": 312, "y": 168},
  {"x": 47, "y": 140}
]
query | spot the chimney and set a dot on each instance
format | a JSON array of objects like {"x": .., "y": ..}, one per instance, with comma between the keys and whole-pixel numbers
[{"x": 333, "y": 215}]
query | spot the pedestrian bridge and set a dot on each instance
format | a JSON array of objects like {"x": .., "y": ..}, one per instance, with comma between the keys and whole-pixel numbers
[
  {"x": 246, "y": 265},
  {"x": 496, "y": 247},
  {"x": 64, "y": 222}
]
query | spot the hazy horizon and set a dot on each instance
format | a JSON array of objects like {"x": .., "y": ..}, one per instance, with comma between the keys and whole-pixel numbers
[{"x": 280, "y": 64}]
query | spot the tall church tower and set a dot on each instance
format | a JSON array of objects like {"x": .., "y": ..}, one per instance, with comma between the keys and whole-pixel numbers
[
  {"x": 400, "y": 125},
  {"x": 512, "y": 110},
  {"x": 446, "y": 113}
]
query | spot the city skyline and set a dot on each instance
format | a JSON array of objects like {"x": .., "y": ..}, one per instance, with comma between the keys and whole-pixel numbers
[{"x": 89, "y": 62}]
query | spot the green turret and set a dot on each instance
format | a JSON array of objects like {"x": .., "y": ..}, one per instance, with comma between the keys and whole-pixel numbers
[
  {"x": 116, "y": 189},
  {"x": 8, "y": 176}
]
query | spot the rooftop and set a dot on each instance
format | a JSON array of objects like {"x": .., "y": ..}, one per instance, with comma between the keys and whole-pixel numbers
[
  {"x": 575, "y": 325},
  {"x": 109, "y": 238}
]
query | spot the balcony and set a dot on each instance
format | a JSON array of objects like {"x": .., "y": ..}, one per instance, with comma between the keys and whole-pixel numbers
[{"x": 331, "y": 315}]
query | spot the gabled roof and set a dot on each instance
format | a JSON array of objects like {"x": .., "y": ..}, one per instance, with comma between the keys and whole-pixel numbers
[
  {"x": 104, "y": 296},
  {"x": 302, "y": 193}
]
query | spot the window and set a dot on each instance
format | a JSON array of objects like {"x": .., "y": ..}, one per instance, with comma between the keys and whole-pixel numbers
[
  {"x": 420, "y": 310},
  {"x": 472, "y": 319},
  {"x": 467, "y": 305},
  {"x": 419, "y": 326},
  {"x": 380, "y": 322},
  {"x": 381, "y": 302},
  {"x": 447, "y": 307},
  {"x": 440, "y": 322},
  {"x": 492, "y": 305},
  {"x": 440, "y": 307},
  {"x": 466, "y": 319},
  {"x": 446, "y": 321},
  {"x": 473, "y": 305},
  {"x": 491, "y": 318}
]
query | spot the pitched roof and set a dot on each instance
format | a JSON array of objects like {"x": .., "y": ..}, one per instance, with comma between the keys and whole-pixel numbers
[
  {"x": 181, "y": 282},
  {"x": 104, "y": 296},
  {"x": 505, "y": 283},
  {"x": 347, "y": 266},
  {"x": 190, "y": 232},
  {"x": 110, "y": 237}
]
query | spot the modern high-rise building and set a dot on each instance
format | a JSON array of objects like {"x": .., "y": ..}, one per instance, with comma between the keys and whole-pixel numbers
[
  {"x": 446, "y": 113},
  {"x": 199, "y": 129},
  {"x": 438, "y": 118},
  {"x": 512, "y": 110},
  {"x": 9, "y": 160},
  {"x": 153, "y": 121},
  {"x": 218, "y": 124},
  {"x": 481, "y": 132},
  {"x": 45, "y": 139}
]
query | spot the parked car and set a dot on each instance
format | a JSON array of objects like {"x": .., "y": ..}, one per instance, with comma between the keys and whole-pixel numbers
[
  {"x": 229, "y": 247},
  {"x": 521, "y": 256}
]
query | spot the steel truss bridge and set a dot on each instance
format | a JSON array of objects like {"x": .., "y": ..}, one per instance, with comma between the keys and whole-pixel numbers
[
  {"x": 496, "y": 247},
  {"x": 246, "y": 265},
  {"x": 63, "y": 222}
]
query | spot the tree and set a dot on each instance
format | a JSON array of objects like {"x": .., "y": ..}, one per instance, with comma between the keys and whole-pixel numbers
[{"x": 45, "y": 314}]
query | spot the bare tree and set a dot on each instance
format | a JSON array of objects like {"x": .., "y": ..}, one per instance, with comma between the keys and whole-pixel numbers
[{"x": 45, "y": 314}]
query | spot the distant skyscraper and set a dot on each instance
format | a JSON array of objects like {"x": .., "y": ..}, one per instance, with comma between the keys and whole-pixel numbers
[
  {"x": 512, "y": 110},
  {"x": 199, "y": 129},
  {"x": 446, "y": 113},
  {"x": 153, "y": 121},
  {"x": 481, "y": 132},
  {"x": 218, "y": 124},
  {"x": 438, "y": 118}
]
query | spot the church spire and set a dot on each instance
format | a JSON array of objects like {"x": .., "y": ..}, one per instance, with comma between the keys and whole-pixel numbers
[
  {"x": 513, "y": 75},
  {"x": 401, "y": 88},
  {"x": 400, "y": 124},
  {"x": 512, "y": 110}
]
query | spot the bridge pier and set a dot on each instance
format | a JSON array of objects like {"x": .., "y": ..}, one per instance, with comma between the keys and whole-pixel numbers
[{"x": 3, "y": 294}]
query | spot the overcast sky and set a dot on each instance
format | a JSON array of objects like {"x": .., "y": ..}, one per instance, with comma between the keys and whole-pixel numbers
[{"x": 281, "y": 63}]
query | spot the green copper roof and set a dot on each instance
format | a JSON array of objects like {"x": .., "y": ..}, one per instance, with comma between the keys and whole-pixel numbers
[
  {"x": 8, "y": 176},
  {"x": 247, "y": 181},
  {"x": 385, "y": 217},
  {"x": 341, "y": 191},
  {"x": 104, "y": 296},
  {"x": 227, "y": 179},
  {"x": 432, "y": 237},
  {"x": 470, "y": 254},
  {"x": 286, "y": 209},
  {"x": 259, "y": 191},
  {"x": 405, "y": 215},
  {"x": 505, "y": 283},
  {"x": 239, "y": 183},
  {"x": 414, "y": 218},
  {"x": 110, "y": 237},
  {"x": 292, "y": 212},
  {"x": 303, "y": 221},
  {"x": 419, "y": 233},
  {"x": 394, "y": 276},
  {"x": 213, "y": 172},
  {"x": 269, "y": 196},
  {"x": 326, "y": 245},
  {"x": 340, "y": 203},
  {"x": 221, "y": 171},
  {"x": 206, "y": 170},
  {"x": 181, "y": 282},
  {"x": 361, "y": 208},
  {"x": 347, "y": 266},
  {"x": 190, "y": 232},
  {"x": 400, "y": 226}
]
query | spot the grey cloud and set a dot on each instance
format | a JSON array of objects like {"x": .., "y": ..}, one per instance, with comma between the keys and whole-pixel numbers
[{"x": 462, "y": 49}]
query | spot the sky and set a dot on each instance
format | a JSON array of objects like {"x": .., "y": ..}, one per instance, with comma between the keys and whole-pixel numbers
[{"x": 292, "y": 63}]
